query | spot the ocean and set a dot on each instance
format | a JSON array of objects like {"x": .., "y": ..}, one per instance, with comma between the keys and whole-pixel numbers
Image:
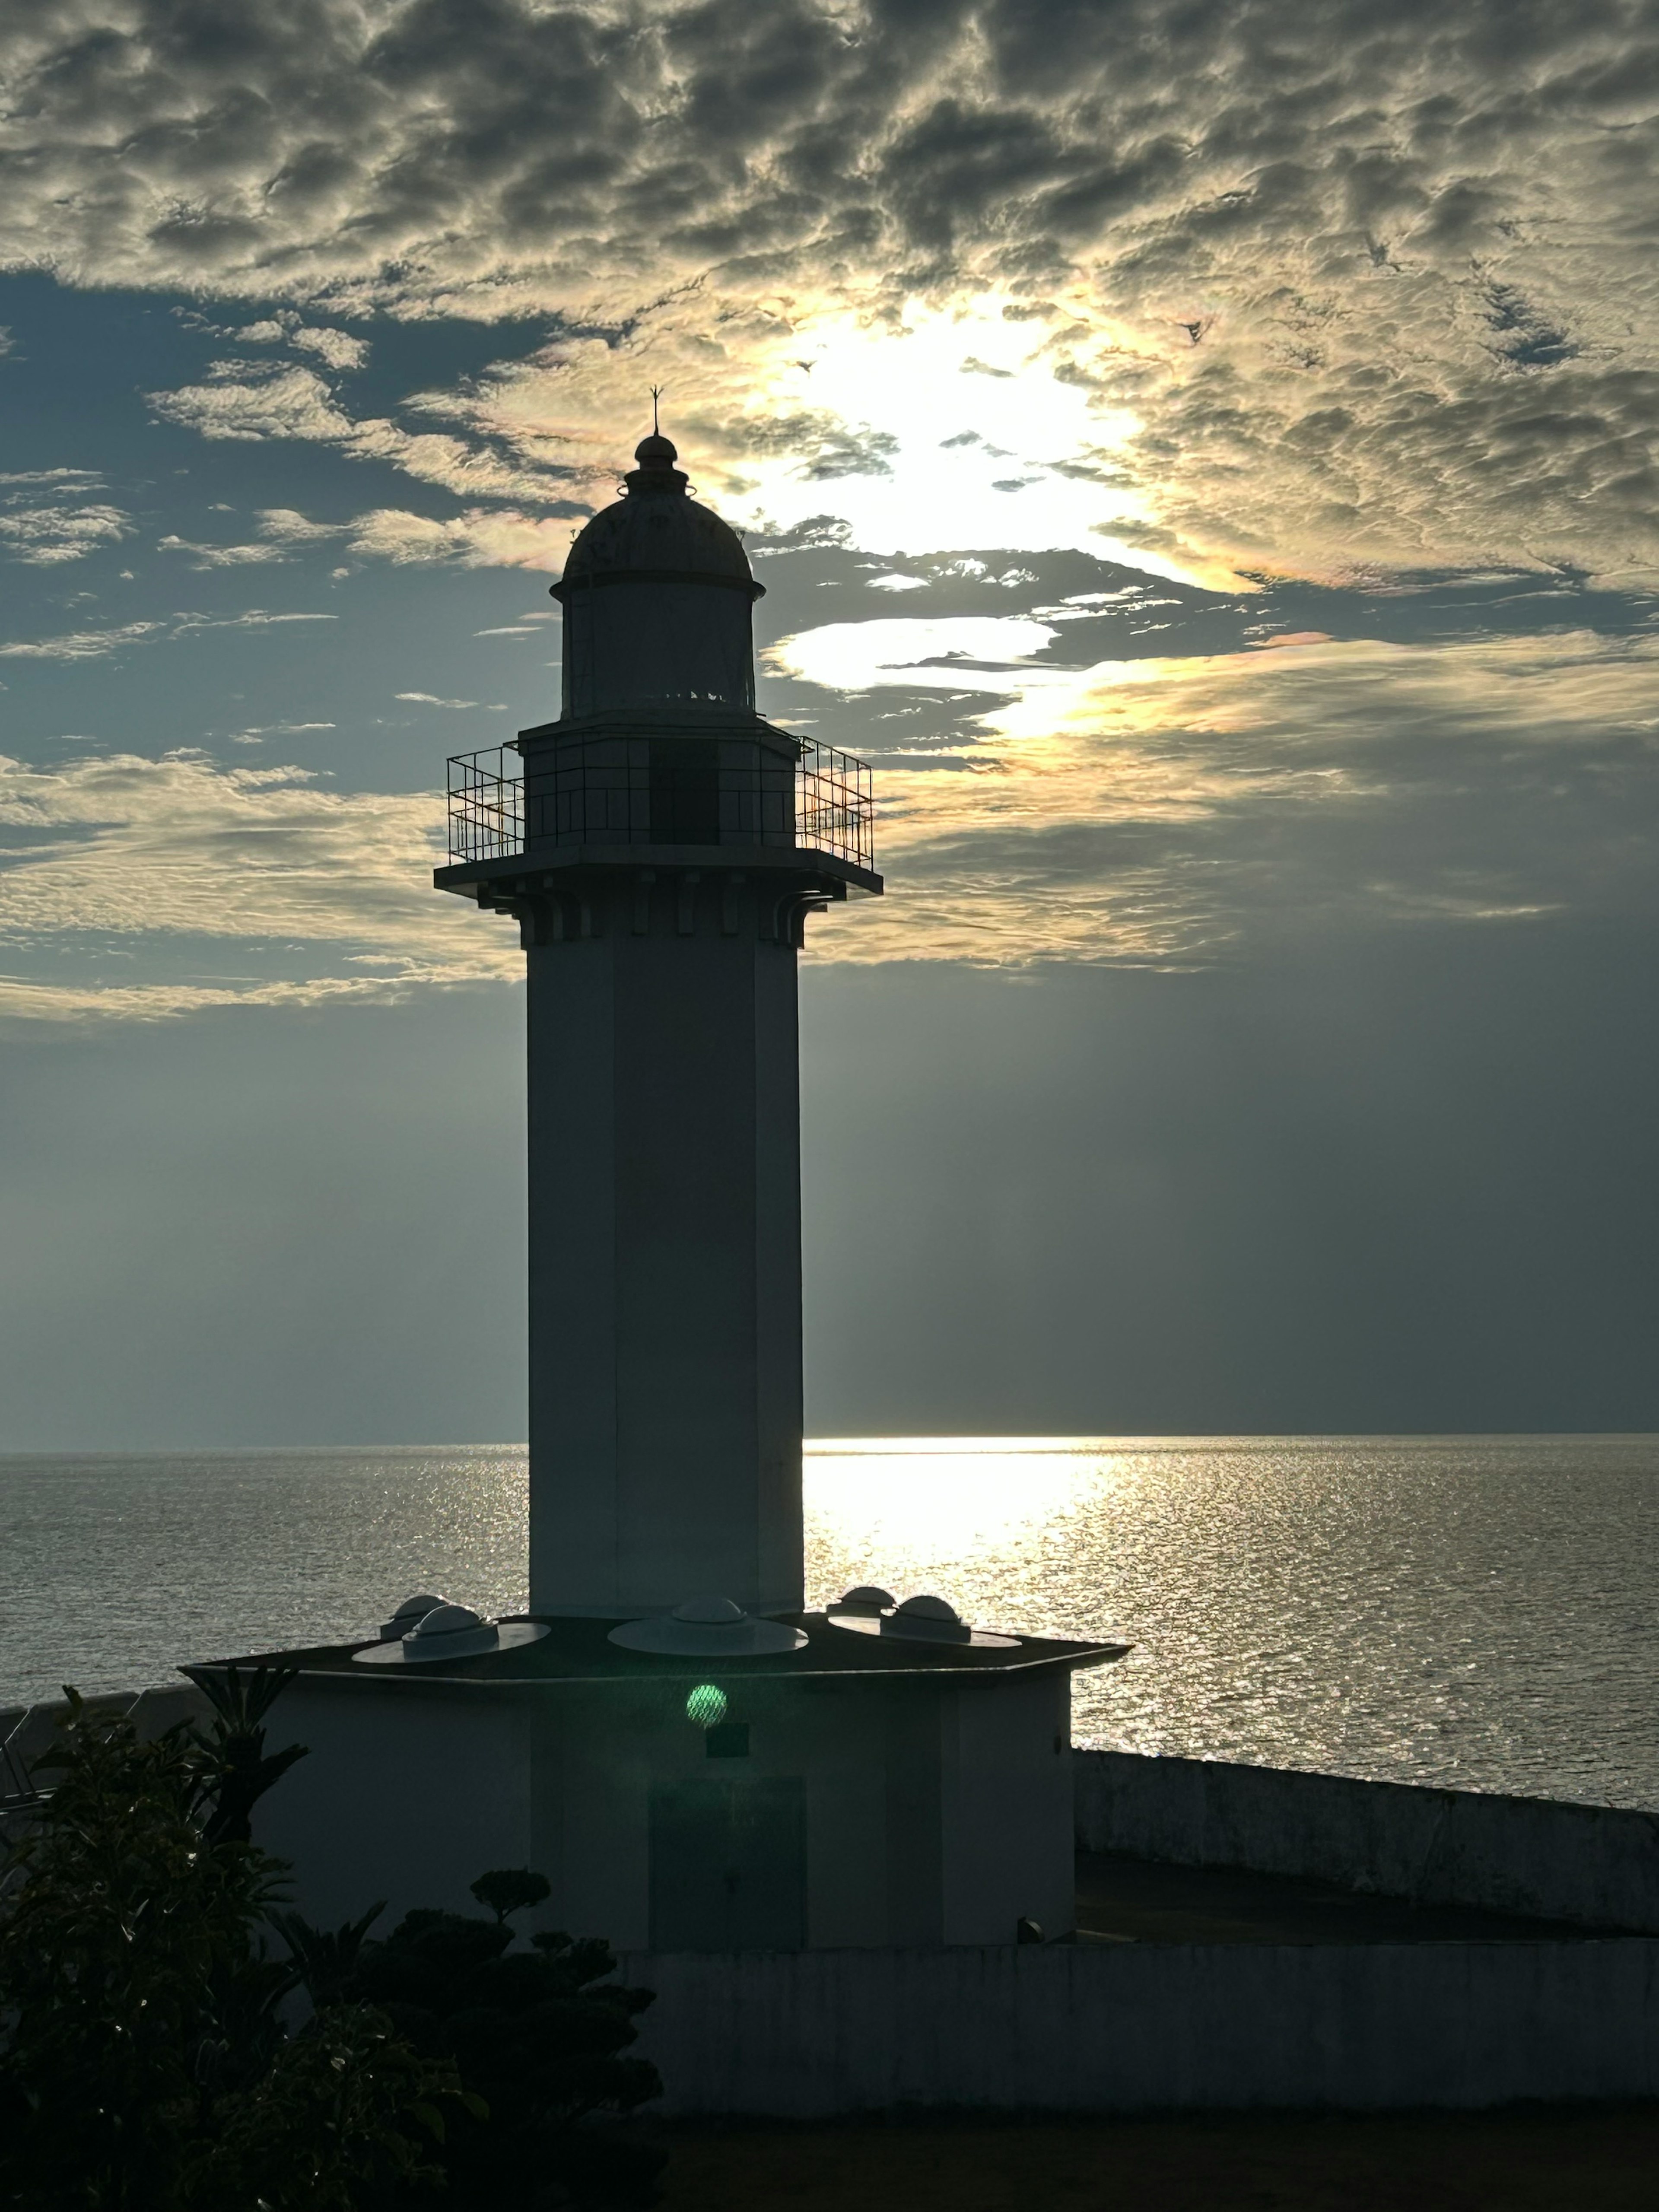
[{"x": 1474, "y": 1612}]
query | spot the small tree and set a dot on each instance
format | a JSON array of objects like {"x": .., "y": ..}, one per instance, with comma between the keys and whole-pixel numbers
[
  {"x": 143, "y": 2063},
  {"x": 540, "y": 2036}
]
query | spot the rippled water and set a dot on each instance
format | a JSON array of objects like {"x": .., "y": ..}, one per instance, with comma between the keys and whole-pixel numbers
[{"x": 1474, "y": 1611}]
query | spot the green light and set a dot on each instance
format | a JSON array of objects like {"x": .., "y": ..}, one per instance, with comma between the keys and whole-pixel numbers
[{"x": 706, "y": 1705}]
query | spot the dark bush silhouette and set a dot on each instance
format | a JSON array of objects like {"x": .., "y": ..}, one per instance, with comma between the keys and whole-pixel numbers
[
  {"x": 539, "y": 2035},
  {"x": 147, "y": 2064},
  {"x": 512, "y": 1889},
  {"x": 144, "y": 2064}
]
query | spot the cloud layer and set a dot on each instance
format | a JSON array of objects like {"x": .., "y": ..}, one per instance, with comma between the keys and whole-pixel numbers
[
  {"x": 48, "y": 516},
  {"x": 1338, "y": 289},
  {"x": 122, "y": 847},
  {"x": 1166, "y": 813},
  {"x": 111, "y": 638},
  {"x": 1228, "y": 291},
  {"x": 1179, "y": 812}
]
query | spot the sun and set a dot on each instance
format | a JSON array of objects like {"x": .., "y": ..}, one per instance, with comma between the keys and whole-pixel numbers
[{"x": 959, "y": 434}]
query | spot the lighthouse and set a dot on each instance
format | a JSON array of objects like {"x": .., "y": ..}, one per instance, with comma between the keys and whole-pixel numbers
[
  {"x": 661, "y": 848},
  {"x": 694, "y": 1761}
]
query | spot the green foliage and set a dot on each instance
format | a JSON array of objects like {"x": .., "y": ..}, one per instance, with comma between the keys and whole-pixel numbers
[
  {"x": 538, "y": 2035},
  {"x": 234, "y": 1769},
  {"x": 511, "y": 1889},
  {"x": 144, "y": 2066},
  {"x": 324, "y": 1960},
  {"x": 336, "y": 2122}
]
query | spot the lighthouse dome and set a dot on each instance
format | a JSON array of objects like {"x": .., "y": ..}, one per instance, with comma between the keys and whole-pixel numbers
[
  {"x": 657, "y": 530},
  {"x": 642, "y": 626}
]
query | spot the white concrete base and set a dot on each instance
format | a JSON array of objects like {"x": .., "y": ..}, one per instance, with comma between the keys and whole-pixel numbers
[{"x": 851, "y": 1811}]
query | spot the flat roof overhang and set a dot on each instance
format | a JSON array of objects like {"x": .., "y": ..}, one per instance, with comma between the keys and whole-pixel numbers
[
  {"x": 578, "y": 1653},
  {"x": 523, "y": 874}
]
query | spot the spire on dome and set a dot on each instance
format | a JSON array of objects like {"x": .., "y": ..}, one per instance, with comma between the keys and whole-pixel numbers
[{"x": 656, "y": 456}]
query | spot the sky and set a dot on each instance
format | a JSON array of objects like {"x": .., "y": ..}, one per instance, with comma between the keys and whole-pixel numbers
[{"x": 1202, "y": 454}]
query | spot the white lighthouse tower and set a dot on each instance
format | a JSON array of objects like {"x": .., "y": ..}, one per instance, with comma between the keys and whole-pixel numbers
[
  {"x": 672, "y": 844},
  {"x": 695, "y": 1762}
]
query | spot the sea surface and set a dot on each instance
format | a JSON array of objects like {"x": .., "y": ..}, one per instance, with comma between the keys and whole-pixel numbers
[{"x": 1478, "y": 1612}]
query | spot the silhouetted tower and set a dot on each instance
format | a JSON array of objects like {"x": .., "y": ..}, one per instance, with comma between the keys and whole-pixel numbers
[{"x": 661, "y": 849}]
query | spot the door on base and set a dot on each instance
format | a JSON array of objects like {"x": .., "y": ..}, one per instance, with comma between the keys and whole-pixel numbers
[{"x": 728, "y": 1865}]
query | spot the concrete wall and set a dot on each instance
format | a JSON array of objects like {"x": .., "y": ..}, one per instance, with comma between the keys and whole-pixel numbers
[
  {"x": 1588, "y": 1864},
  {"x": 1006, "y": 1810},
  {"x": 403, "y": 1799},
  {"x": 1133, "y": 2027},
  {"x": 26, "y": 1731}
]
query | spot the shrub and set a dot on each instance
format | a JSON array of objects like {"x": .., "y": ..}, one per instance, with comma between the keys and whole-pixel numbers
[
  {"x": 538, "y": 2035},
  {"x": 144, "y": 2066}
]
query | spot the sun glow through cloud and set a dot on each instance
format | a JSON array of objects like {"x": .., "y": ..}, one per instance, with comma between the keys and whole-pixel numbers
[
  {"x": 974, "y": 439},
  {"x": 940, "y": 427}
]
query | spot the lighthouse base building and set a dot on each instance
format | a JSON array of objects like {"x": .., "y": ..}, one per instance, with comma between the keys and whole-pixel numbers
[
  {"x": 693, "y": 1761},
  {"x": 849, "y": 1792}
]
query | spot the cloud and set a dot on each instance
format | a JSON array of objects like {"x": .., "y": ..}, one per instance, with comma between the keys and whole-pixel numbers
[
  {"x": 47, "y": 535},
  {"x": 24, "y": 999},
  {"x": 429, "y": 699},
  {"x": 956, "y": 653},
  {"x": 1170, "y": 813},
  {"x": 124, "y": 847},
  {"x": 1336, "y": 288},
  {"x": 251, "y": 619},
  {"x": 480, "y": 538},
  {"x": 242, "y": 403},
  {"x": 220, "y": 556},
  {"x": 1177, "y": 812},
  {"x": 258, "y": 734},
  {"x": 96, "y": 644},
  {"x": 290, "y": 528},
  {"x": 65, "y": 479},
  {"x": 39, "y": 525},
  {"x": 81, "y": 645},
  {"x": 257, "y": 403},
  {"x": 338, "y": 347}
]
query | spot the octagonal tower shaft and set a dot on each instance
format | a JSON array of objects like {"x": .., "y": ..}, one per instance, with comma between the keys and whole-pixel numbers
[{"x": 665, "y": 1307}]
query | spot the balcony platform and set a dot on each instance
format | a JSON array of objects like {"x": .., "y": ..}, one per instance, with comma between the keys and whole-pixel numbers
[{"x": 498, "y": 880}]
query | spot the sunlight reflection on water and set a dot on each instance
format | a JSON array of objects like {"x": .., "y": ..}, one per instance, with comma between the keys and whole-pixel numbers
[
  {"x": 1474, "y": 1611},
  {"x": 1471, "y": 1611}
]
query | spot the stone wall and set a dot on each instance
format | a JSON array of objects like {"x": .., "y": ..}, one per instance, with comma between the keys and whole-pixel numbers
[
  {"x": 1133, "y": 2027},
  {"x": 26, "y": 1731},
  {"x": 1592, "y": 1864}
]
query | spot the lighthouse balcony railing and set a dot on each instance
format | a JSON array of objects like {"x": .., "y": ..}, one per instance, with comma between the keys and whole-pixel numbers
[
  {"x": 827, "y": 806},
  {"x": 486, "y": 805}
]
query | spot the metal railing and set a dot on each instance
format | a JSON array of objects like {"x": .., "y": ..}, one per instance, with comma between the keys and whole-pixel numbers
[
  {"x": 835, "y": 804},
  {"x": 486, "y": 805},
  {"x": 620, "y": 803}
]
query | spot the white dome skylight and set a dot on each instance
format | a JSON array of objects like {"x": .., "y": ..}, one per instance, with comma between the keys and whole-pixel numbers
[
  {"x": 922, "y": 1620},
  {"x": 411, "y": 1610},
  {"x": 707, "y": 1628},
  {"x": 442, "y": 1631}
]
